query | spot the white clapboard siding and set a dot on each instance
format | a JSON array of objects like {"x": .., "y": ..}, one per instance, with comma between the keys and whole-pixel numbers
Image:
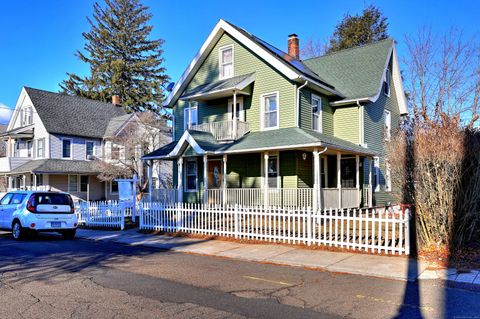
[{"x": 373, "y": 230}]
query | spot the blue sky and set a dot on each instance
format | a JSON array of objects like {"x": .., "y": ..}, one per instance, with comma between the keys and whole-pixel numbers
[{"x": 38, "y": 38}]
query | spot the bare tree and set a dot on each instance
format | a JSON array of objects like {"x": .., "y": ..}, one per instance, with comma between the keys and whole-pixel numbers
[
  {"x": 313, "y": 48},
  {"x": 443, "y": 76},
  {"x": 145, "y": 133}
]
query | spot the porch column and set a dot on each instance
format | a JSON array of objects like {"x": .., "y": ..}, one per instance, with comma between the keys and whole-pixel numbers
[
  {"x": 180, "y": 180},
  {"x": 234, "y": 115},
  {"x": 24, "y": 180},
  {"x": 339, "y": 179},
  {"x": 224, "y": 181},
  {"x": 370, "y": 191},
  {"x": 205, "y": 179},
  {"x": 150, "y": 180},
  {"x": 265, "y": 179},
  {"x": 35, "y": 181},
  {"x": 316, "y": 181},
  {"x": 357, "y": 177}
]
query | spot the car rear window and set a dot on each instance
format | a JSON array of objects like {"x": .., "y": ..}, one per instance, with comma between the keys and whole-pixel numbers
[{"x": 52, "y": 199}]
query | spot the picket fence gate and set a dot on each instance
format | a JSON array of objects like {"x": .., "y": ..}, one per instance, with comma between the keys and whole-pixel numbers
[
  {"x": 105, "y": 213},
  {"x": 376, "y": 230}
]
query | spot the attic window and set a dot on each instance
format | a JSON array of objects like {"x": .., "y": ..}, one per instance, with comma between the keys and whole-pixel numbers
[
  {"x": 27, "y": 116},
  {"x": 386, "y": 86},
  {"x": 226, "y": 61}
]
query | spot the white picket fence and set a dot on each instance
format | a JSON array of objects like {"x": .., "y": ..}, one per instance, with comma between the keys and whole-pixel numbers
[
  {"x": 105, "y": 213},
  {"x": 374, "y": 230}
]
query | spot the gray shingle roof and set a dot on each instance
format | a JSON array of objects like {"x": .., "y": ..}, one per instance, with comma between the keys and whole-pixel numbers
[
  {"x": 236, "y": 82},
  {"x": 285, "y": 138},
  {"x": 71, "y": 115},
  {"x": 356, "y": 72},
  {"x": 57, "y": 166}
]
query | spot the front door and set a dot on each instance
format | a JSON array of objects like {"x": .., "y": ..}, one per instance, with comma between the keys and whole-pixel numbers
[
  {"x": 215, "y": 175},
  {"x": 240, "y": 111}
]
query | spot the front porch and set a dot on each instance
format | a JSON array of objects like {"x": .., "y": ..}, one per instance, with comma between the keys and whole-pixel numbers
[{"x": 291, "y": 178}]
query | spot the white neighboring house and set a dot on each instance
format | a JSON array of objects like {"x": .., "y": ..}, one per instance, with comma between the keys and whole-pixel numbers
[{"x": 54, "y": 142}]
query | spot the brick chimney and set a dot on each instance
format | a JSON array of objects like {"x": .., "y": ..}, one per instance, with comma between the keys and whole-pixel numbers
[
  {"x": 293, "y": 46},
  {"x": 116, "y": 100}
]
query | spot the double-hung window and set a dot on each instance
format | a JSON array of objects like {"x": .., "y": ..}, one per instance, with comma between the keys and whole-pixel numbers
[
  {"x": 27, "y": 116},
  {"x": 73, "y": 183},
  {"x": 226, "y": 61},
  {"x": 376, "y": 171},
  {"x": 270, "y": 110},
  {"x": 115, "y": 154},
  {"x": 41, "y": 148},
  {"x": 190, "y": 116},
  {"x": 66, "y": 148},
  {"x": 191, "y": 175},
  {"x": 29, "y": 148},
  {"x": 89, "y": 149},
  {"x": 273, "y": 171},
  {"x": 386, "y": 86},
  {"x": 387, "y": 125},
  {"x": 316, "y": 113}
]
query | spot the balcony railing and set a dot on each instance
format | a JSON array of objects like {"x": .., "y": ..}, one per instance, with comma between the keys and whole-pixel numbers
[{"x": 224, "y": 130}]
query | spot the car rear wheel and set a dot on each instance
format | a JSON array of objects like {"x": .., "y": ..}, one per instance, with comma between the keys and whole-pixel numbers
[
  {"x": 17, "y": 231},
  {"x": 69, "y": 234}
]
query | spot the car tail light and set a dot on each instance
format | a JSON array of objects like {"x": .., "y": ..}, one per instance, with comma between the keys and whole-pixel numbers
[
  {"x": 32, "y": 225},
  {"x": 31, "y": 204}
]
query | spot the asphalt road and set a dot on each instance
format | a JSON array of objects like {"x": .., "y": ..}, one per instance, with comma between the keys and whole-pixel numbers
[{"x": 49, "y": 277}]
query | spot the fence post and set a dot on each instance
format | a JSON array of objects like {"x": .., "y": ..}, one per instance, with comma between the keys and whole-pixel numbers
[
  {"x": 122, "y": 210},
  {"x": 140, "y": 215},
  {"x": 237, "y": 221},
  {"x": 309, "y": 226},
  {"x": 179, "y": 223},
  {"x": 407, "y": 231}
]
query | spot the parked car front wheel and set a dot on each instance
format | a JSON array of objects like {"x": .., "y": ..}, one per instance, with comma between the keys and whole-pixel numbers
[{"x": 17, "y": 231}]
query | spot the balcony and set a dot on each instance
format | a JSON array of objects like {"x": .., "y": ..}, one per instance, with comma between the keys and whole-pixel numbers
[
  {"x": 9, "y": 163},
  {"x": 224, "y": 131}
]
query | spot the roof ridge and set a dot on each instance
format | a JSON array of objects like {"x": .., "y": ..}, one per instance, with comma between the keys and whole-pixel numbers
[
  {"x": 68, "y": 95},
  {"x": 351, "y": 48}
]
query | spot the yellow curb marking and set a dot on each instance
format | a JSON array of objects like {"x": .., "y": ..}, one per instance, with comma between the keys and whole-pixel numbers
[
  {"x": 267, "y": 280},
  {"x": 426, "y": 308}
]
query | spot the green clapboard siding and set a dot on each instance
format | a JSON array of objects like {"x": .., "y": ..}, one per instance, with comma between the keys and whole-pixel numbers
[
  {"x": 374, "y": 136},
  {"x": 306, "y": 112},
  {"x": 305, "y": 170},
  {"x": 267, "y": 80},
  {"x": 288, "y": 169},
  {"x": 244, "y": 171},
  {"x": 346, "y": 123}
]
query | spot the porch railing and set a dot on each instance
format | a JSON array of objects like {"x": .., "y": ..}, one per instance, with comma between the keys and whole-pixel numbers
[{"x": 224, "y": 130}]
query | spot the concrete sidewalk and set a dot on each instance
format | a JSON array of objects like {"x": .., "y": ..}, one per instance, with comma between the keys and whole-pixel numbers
[{"x": 399, "y": 268}]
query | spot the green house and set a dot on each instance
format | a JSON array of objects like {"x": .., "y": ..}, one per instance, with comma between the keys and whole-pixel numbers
[{"x": 254, "y": 125}]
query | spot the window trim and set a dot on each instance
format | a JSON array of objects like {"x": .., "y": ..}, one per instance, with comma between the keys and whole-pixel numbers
[
  {"x": 319, "y": 113},
  {"x": 186, "y": 189},
  {"x": 188, "y": 109},
  {"x": 387, "y": 82},
  {"x": 111, "y": 190},
  {"x": 220, "y": 62},
  {"x": 71, "y": 147},
  {"x": 376, "y": 168},
  {"x": 387, "y": 130},
  {"x": 93, "y": 149},
  {"x": 37, "y": 155},
  {"x": 29, "y": 147},
  {"x": 262, "y": 110},
  {"x": 69, "y": 190}
]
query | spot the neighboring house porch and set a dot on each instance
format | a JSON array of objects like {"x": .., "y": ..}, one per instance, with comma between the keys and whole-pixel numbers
[{"x": 284, "y": 167}]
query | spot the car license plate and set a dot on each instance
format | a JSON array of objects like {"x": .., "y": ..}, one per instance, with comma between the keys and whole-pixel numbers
[{"x": 56, "y": 224}]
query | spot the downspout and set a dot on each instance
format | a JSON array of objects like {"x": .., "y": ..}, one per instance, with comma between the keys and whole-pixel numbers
[{"x": 298, "y": 101}]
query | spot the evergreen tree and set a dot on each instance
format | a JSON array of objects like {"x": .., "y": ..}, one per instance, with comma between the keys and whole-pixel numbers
[
  {"x": 123, "y": 60},
  {"x": 357, "y": 30}
]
